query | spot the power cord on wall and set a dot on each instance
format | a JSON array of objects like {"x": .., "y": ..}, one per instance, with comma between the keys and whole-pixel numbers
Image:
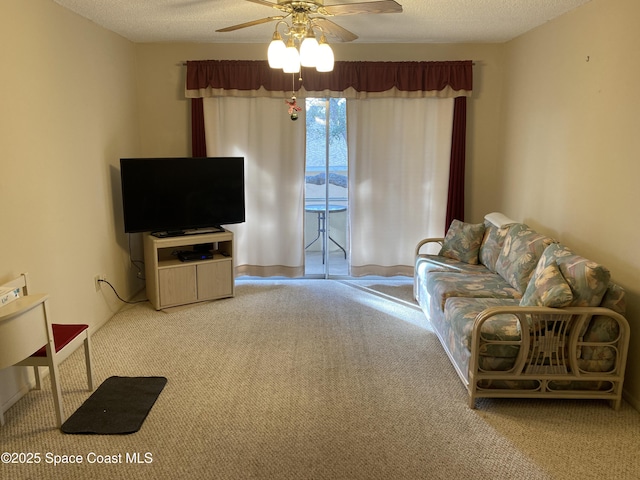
[
  {"x": 119, "y": 297},
  {"x": 139, "y": 264}
]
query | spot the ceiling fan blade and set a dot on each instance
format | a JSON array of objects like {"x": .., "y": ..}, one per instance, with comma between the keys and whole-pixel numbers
[
  {"x": 250, "y": 24},
  {"x": 332, "y": 29},
  {"x": 267, "y": 4},
  {"x": 382, "y": 6},
  {"x": 263, "y": 2}
]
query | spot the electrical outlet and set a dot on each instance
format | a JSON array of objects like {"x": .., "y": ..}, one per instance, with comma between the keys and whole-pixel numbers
[{"x": 97, "y": 280}]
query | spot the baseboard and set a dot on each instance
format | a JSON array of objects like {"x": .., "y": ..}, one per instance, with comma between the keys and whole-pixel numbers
[{"x": 20, "y": 392}]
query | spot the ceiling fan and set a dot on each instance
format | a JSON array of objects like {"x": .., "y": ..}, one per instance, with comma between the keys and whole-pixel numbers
[{"x": 311, "y": 14}]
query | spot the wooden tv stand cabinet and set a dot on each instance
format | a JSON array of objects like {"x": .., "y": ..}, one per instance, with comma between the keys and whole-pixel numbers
[{"x": 172, "y": 282}]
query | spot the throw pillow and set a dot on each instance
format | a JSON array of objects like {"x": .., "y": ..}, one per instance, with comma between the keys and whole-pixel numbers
[
  {"x": 547, "y": 288},
  {"x": 588, "y": 280},
  {"x": 520, "y": 254},
  {"x": 492, "y": 245},
  {"x": 462, "y": 242}
]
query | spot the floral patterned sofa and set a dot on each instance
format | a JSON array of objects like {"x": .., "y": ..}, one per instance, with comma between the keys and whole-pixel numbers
[{"x": 521, "y": 315}]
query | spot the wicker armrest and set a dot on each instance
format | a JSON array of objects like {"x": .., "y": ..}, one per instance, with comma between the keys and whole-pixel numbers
[
  {"x": 425, "y": 241},
  {"x": 549, "y": 350}
]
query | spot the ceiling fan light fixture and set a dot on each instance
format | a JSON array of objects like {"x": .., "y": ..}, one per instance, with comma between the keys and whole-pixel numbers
[
  {"x": 276, "y": 51},
  {"x": 309, "y": 50},
  {"x": 305, "y": 19},
  {"x": 325, "y": 57},
  {"x": 291, "y": 62}
]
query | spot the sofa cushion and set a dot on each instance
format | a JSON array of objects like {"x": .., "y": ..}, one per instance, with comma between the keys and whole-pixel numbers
[
  {"x": 443, "y": 285},
  {"x": 614, "y": 299},
  {"x": 462, "y": 241},
  {"x": 602, "y": 329},
  {"x": 599, "y": 358},
  {"x": 547, "y": 288},
  {"x": 431, "y": 263},
  {"x": 461, "y": 314},
  {"x": 588, "y": 280},
  {"x": 520, "y": 254},
  {"x": 492, "y": 244}
]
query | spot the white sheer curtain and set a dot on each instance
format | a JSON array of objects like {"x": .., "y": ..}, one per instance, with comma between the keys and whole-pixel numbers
[
  {"x": 271, "y": 241},
  {"x": 399, "y": 154}
]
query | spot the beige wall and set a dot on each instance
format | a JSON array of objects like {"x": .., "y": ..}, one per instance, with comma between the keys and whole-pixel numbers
[
  {"x": 570, "y": 160},
  {"x": 68, "y": 112}
]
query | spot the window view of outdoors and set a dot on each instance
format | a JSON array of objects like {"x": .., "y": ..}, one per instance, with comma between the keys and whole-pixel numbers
[{"x": 326, "y": 202}]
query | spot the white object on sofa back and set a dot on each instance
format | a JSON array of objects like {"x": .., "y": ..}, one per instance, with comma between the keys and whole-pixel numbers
[{"x": 498, "y": 219}]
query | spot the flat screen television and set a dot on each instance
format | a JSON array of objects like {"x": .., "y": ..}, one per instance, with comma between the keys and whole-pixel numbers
[{"x": 174, "y": 196}]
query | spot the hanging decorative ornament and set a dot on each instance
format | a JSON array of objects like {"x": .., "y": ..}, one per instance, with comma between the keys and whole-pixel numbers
[{"x": 293, "y": 107}]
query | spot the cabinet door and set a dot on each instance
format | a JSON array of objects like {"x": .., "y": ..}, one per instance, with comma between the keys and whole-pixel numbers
[
  {"x": 215, "y": 280},
  {"x": 177, "y": 285}
]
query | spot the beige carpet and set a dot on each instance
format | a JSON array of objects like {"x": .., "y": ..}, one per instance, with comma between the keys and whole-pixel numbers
[{"x": 312, "y": 379}]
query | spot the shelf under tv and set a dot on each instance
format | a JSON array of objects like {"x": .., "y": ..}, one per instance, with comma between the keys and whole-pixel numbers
[{"x": 191, "y": 231}]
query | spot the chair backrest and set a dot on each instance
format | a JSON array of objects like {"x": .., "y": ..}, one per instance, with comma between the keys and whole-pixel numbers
[
  {"x": 21, "y": 332},
  {"x": 21, "y": 282}
]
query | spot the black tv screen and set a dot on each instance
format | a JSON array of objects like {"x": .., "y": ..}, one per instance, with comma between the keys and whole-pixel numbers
[{"x": 173, "y": 195}]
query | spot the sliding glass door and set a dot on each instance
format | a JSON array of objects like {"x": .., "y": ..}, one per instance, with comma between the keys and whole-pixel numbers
[{"x": 326, "y": 226}]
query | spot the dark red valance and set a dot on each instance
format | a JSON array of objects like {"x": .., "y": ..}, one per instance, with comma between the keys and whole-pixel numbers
[{"x": 209, "y": 78}]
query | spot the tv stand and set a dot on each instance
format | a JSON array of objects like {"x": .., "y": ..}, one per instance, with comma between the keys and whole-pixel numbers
[{"x": 172, "y": 282}]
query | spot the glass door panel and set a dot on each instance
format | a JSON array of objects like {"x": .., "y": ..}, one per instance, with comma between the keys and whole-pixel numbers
[{"x": 326, "y": 188}]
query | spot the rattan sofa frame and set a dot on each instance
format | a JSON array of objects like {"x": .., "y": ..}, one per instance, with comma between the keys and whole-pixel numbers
[{"x": 548, "y": 355}]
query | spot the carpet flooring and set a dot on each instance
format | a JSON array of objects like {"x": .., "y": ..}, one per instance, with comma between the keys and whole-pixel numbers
[{"x": 310, "y": 379}]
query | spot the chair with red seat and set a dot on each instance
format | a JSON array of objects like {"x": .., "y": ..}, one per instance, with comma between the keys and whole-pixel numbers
[{"x": 22, "y": 327}]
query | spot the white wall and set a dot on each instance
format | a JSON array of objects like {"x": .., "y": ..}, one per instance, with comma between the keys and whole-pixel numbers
[{"x": 69, "y": 112}]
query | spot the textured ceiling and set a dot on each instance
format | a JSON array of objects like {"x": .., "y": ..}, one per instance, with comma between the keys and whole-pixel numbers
[{"x": 422, "y": 21}]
